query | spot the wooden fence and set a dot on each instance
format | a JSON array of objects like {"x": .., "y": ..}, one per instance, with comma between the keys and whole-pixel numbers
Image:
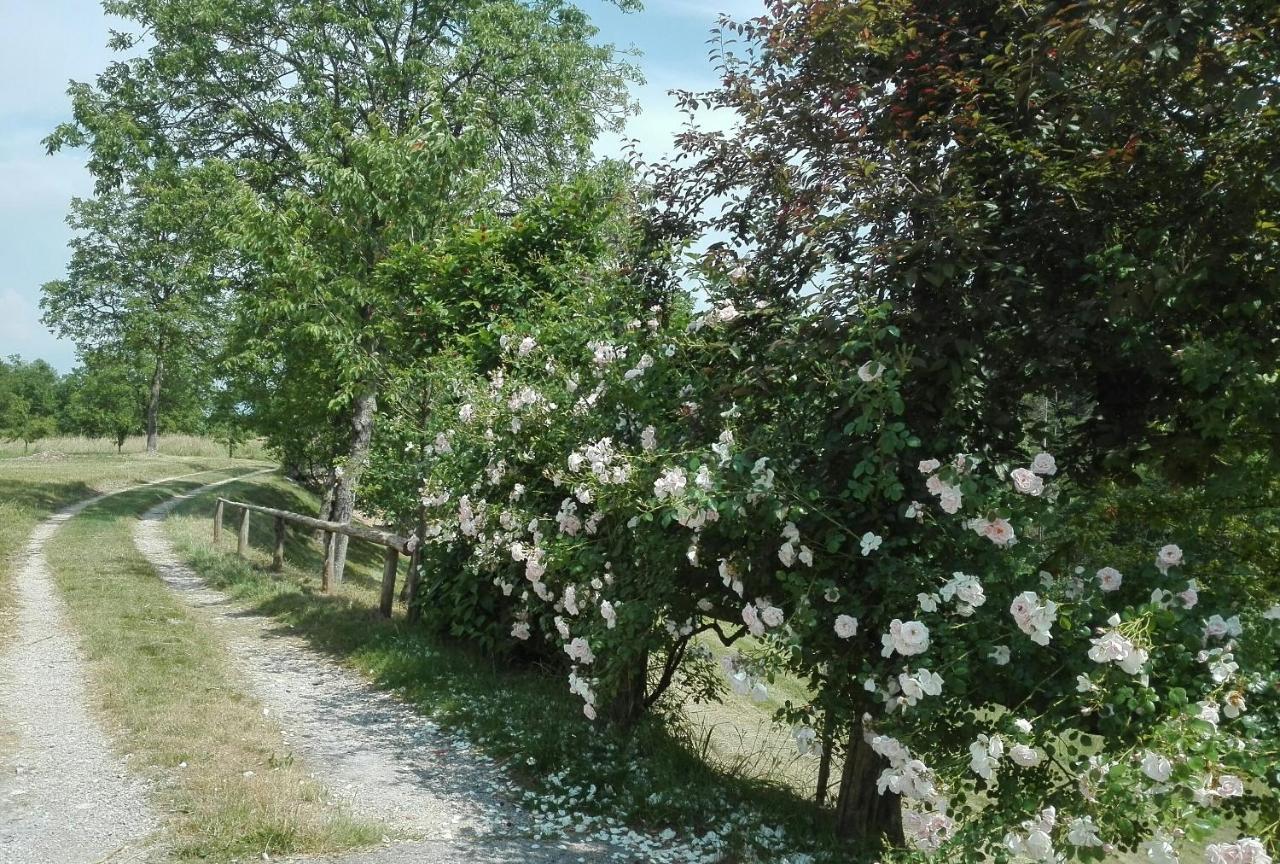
[{"x": 393, "y": 543}]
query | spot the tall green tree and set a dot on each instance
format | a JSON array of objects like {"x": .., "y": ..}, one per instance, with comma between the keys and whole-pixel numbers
[
  {"x": 35, "y": 381},
  {"x": 142, "y": 281},
  {"x": 290, "y": 92},
  {"x": 106, "y": 397},
  {"x": 1065, "y": 212},
  {"x": 1071, "y": 207},
  {"x": 28, "y": 400}
]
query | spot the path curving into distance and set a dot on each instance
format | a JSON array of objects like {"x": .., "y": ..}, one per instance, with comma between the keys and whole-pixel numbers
[
  {"x": 372, "y": 751},
  {"x": 65, "y": 796}
]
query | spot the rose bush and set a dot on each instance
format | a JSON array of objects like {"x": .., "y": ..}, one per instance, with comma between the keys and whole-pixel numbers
[
  {"x": 980, "y": 646},
  {"x": 933, "y": 425}
]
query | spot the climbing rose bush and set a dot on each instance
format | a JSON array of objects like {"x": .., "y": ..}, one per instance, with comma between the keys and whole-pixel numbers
[{"x": 1032, "y": 688}]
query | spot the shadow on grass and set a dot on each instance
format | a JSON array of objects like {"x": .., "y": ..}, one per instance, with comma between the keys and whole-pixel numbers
[
  {"x": 650, "y": 776},
  {"x": 43, "y": 496}
]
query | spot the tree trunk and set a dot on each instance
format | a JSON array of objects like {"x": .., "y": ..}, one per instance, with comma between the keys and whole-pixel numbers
[
  {"x": 153, "y": 406},
  {"x": 628, "y": 705},
  {"x": 326, "y": 506},
  {"x": 862, "y": 813},
  {"x": 824, "y": 765},
  {"x": 344, "y": 495}
]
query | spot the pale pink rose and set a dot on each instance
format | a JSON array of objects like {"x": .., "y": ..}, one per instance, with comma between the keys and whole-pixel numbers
[
  {"x": 846, "y": 626},
  {"x": 1026, "y": 482},
  {"x": 1044, "y": 464},
  {"x": 950, "y": 500},
  {"x": 1168, "y": 556},
  {"x": 999, "y": 532},
  {"x": 1191, "y": 596},
  {"x": 1109, "y": 579}
]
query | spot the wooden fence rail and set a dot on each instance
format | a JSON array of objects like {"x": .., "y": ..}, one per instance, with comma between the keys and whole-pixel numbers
[{"x": 393, "y": 543}]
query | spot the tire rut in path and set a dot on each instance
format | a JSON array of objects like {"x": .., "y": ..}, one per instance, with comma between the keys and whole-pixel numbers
[
  {"x": 373, "y": 752},
  {"x": 65, "y": 796}
]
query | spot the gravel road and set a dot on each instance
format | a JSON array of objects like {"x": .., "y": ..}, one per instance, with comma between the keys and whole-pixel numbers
[
  {"x": 66, "y": 797},
  {"x": 447, "y": 802}
]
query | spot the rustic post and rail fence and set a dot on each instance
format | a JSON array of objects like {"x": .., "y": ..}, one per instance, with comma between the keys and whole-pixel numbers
[{"x": 395, "y": 545}]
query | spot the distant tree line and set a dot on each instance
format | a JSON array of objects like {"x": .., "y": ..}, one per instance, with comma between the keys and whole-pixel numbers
[{"x": 106, "y": 396}]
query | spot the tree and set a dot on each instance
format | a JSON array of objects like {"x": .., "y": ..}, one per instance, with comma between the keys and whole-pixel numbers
[
  {"x": 1065, "y": 211},
  {"x": 142, "y": 280},
  {"x": 106, "y": 397},
  {"x": 1069, "y": 206},
  {"x": 21, "y": 423},
  {"x": 229, "y": 419},
  {"x": 296, "y": 94},
  {"x": 28, "y": 400}
]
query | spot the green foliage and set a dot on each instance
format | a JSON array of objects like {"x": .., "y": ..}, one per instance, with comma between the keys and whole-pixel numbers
[
  {"x": 1068, "y": 202},
  {"x": 28, "y": 400},
  {"x": 105, "y": 397},
  {"x": 143, "y": 287},
  {"x": 394, "y": 114}
]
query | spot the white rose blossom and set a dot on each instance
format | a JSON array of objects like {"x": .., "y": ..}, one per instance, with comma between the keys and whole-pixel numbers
[
  {"x": 1246, "y": 850},
  {"x": 1034, "y": 616},
  {"x": 870, "y": 542},
  {"x": 1026, "y": 482},
  {"x": 1156, "y": 766},
  {"x": 907, "y": 638},
  {"x": 846, "y": 626},
  {"x": 1109, "y": 579},
  {"x": 1044, "y": 464},
  {"x": 1168, "y": 556},
  {"x": 870, "y": 371}
]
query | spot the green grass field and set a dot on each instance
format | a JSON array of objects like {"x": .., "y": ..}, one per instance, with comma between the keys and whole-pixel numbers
[{"x": 33, "y": 488}]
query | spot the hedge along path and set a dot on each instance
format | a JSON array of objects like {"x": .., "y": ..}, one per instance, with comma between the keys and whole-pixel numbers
[
  {"x": 65, "y": 796},
  {"x": 446, "y": 802}
]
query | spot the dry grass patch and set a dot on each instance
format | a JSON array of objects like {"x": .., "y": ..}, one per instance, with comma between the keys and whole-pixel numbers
[
  {"x": 171, "y": 446},
  {"x": 164, "y": 682}
]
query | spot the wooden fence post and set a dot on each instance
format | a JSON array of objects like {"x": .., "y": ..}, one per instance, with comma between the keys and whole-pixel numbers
[
  {"x": 326, "y": 579},
  {"x": 242, "y": 545},
  {"x": 389, "y": 569},
  {"x": 277, "y": 557},
  {"x": 217, "y": 522}
]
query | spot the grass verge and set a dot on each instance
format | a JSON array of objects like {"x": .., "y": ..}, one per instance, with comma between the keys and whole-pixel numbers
[
  {"x": 163, "y": 681},
  {"x": 657, "y": 777}
]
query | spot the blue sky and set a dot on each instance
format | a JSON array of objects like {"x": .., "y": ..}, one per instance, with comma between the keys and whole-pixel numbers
[{"x": 46, "y": 43}]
